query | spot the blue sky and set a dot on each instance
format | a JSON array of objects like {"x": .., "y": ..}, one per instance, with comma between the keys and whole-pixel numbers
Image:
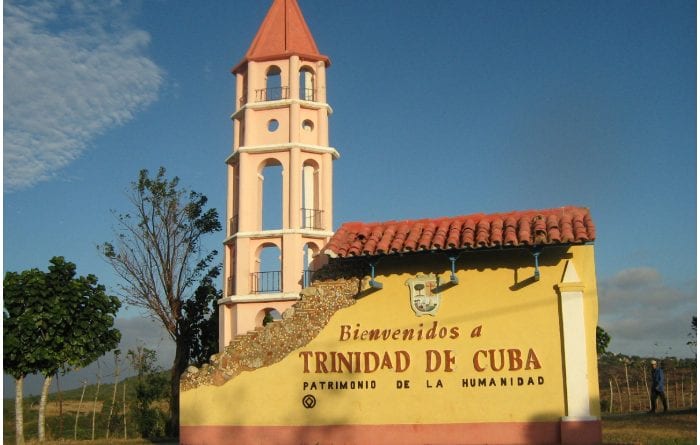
[{"x": 440, "y": 108}]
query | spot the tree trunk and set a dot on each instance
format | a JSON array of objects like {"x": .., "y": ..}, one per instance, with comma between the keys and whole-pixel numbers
[
  {"x": 646, "y": 386},
  {"x": 619, "y": 393},
  {"x": 682, "y": 391},
  {"x": 629, "y": 393},
  {"x": 19, "y": 411},
  {"x": 94, "y": 405},
  {"x": 179, "y": 366},
  {"x": 692, "y": 391},
  {"x": 114, "y": 393},
  {"x": 124, "y": 405},
  {"x": 42, "y": 408},
  {"x": 77, "y": 415},
  {"x": 60, "y": 406}
]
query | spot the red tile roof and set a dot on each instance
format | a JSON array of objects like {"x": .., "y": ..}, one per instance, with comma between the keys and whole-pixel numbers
[
  {"x": 283, "y": 32},
  {"x": 565, "y": 225}
]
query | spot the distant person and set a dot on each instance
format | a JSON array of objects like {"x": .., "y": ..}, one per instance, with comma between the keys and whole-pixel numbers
[{"x": 657, "y": 387}]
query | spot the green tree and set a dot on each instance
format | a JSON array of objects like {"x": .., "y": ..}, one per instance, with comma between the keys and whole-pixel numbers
[
  {"x": 151, "y": 385},
  {"x": 70, "y": 320},
  {"x": 23, "y": 297},
  {"x": 602, "y": 340},
  {"x": 201, "y": 320},
  {"x": 158, "y": 255},
  {"x": 78, "y": 324}
]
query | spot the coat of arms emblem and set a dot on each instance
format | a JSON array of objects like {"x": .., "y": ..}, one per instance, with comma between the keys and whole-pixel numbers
[{"x": 425, "y": 299}]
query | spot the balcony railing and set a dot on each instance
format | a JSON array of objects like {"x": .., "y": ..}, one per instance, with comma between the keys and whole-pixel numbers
[
  {"x": 307, "y": 94},
  {"x": 306, "y": 278},
  {"x": 312, "y": 219},
  {"x": 276, "y": 93},
  {"x": 266, "y": 282}
]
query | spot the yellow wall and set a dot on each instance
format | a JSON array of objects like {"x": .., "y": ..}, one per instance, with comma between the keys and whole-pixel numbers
[{"x": 496, "y": 306}]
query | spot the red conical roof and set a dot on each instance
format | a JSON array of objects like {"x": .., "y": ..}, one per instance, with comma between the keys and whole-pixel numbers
[{"x": 283, "y": 33}]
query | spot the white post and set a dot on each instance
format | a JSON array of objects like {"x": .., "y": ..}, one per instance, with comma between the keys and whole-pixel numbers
[{"x": 575, "y": 349}]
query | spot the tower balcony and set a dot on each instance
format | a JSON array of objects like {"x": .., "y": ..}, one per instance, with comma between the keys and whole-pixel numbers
[
  {"x": 307, "y": 94},
  {"x": 266, "y": 282},
  {"x": 279, "y": 93},
  {"x": 312, "y": 219},
  {"x": 273, "y": 93},
  {"x": 270, "y": 282}
]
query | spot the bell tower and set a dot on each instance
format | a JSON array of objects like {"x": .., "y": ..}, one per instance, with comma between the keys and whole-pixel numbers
[{"x": 280, "y": 127}]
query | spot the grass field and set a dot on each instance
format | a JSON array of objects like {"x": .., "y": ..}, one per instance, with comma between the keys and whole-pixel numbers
[{"x": 673, "y": 428}]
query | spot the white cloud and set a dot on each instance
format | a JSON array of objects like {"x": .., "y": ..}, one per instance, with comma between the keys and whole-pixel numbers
[
  {"x": 72, "y": 70},
  {"x": 638, "y": 277},
  {"x": 644, "y": 316}
]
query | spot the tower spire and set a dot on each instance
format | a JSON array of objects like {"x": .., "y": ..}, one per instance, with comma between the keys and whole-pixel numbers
[{"x": 283, "y": 33}]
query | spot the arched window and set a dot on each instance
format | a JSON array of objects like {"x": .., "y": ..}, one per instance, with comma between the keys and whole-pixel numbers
[
  {"x": 266, "y": 316},
  {"x": 273, "y": 84},
  {"x": 268, "y": 276},
  {"x": 306, "y": 84},
  {"x": 310, "y": 252},
  {"x": 312, "y": 217},
  {"x": 271, "y": 195}
]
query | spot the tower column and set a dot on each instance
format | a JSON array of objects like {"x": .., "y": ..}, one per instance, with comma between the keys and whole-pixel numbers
[
  {"x": 323, "y": 128},
  {"x": 295, "y": 188},
  {"x": 242, "y": 267},
  {"x": 321, "y": 82},
  {"x": 247, "y": 180},
  {"x": 243, "y": 138},
  {"x": 293, "y": 77},
  {"x": 327, "y": 192},
  {"x": 255, "y": 81},
  {"x": 240, "y": 94}
]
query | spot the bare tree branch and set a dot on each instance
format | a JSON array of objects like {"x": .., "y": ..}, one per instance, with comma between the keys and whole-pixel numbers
[{"x": 157, "y": 252}]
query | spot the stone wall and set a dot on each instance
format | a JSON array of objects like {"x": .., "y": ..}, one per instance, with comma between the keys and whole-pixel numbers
[{"x": 334, "y": 287}]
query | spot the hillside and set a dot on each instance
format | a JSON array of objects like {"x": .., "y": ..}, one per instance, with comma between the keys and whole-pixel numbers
[{"x": 69, "y": 403}]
